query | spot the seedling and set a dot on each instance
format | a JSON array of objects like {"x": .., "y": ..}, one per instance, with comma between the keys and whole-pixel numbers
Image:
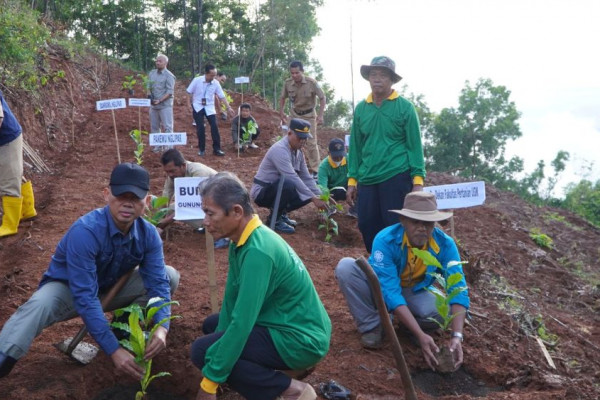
[
  {"x": 129, "y": 83},
  {"x": 157, "y": 210},
  {"x": 329, "y": 224},
  {"x": 247, "y": 132},
  {"x": 140, "y": 320},
  {"x": 136, "y": 135},
  {"x": 541, "y": 239}
]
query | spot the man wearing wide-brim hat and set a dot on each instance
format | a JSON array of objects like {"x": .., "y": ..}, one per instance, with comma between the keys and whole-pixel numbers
[
  {"x": 405, "y": 279},
  {"x": 385, "y": 159}
]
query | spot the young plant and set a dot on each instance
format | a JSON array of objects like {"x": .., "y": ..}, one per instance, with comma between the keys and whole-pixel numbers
[
  {"x": 329, "y": 224},
  {"x": 247, "y": 132},
  {"x": 129, "y": 83},
  {"x": 449, "y": 292},
  {"x": 136, "y": 135},
  {"x": 157, "y": 210},
  {"x": 541, "y": 239},
  {"x": 140, "y": 320}
]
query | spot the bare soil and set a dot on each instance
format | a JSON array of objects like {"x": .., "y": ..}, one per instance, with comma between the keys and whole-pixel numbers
[{"x": 516, "y": 287}]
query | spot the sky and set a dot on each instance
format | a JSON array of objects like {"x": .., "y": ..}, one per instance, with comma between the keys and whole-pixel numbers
[{"x": 544, "y": 52}]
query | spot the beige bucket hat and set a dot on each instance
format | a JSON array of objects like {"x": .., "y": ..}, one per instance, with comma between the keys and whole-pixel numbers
[{"x": 422, "y": 206}]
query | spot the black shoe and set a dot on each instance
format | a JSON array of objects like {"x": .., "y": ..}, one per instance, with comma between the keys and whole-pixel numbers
[
  {"x": 219, "y": 153},
  {"x": 287, "y": 220},
  {"x": 315, "y": 176},
  {"x": 6, "y": 364},
  {"x": 282, "y": 227},
  {"x": 201, "y": 152}
]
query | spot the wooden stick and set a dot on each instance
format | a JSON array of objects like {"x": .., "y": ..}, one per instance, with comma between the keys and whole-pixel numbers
[
  {"x": 545, "y": 351},
  {"x": 389, "y": 328},
  {"x": 116, "y": 136},
  {"x": 212, "y": 275}
]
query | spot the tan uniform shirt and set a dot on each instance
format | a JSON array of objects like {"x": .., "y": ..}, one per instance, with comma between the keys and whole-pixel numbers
[{"x": 302, "y": 96}]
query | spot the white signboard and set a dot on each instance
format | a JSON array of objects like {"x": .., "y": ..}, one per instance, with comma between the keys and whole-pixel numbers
[
  {"x": 111, "y": 104},
  {"x": 458, "y": 195},
  {"x": 168, "y": 139},
  {"x": 347, "y": 137},
  {"x": 139, "y": 103},
  {"x": 188, "y": 203},
  {"x": 242, "y": 79}
]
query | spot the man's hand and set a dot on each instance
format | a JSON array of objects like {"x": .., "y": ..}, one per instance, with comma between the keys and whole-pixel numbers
[
  {"x": 283, "y": 119},
  {"x": 320, "y": 120},
  {"x": 125, "y": 364},
  {"x": 429, "y": 349},
  {"x": 320, "y": 204},
  {"x": 202, "y": 395},
  {"x": 456, "y": 349},
  {"x": 158, "y": 342},
  {"x": 351, "y": 195},
  {"x": 230, "y": 111}
]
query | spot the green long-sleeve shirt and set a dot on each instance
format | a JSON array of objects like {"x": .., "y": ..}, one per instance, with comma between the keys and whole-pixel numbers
[
  {"x": 385, "y": 141},
  {"x": 330, "y": 175},
  {"x": 268, "y": 285}
]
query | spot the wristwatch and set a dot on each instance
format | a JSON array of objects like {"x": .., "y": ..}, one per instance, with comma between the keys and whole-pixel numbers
[{"x": 458, "y": 335}]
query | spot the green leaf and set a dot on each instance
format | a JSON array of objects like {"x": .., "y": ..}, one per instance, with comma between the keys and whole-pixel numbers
[
  {"x": 454, "y": 279},
  {"x": 426, "y": 257},
  {"x": 136, "y": 337}
]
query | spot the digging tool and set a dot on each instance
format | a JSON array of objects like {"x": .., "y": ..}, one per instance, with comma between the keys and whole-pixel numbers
[
  {"x": 277, "y": 201},
  {"x": 85, "y": 352},
  {"x": 409, "y": 389}
]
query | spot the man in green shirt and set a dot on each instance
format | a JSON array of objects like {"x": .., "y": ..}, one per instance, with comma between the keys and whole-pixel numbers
[
  {"x": 386, "y": 153},
  {"x": 271, "y": 318},
  {"x": 333, "y": 173}
]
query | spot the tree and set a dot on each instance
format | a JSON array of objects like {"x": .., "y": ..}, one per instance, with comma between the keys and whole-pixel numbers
[
  {"x": 584, "y": 199},
  {"x": 470, "y": 141}
]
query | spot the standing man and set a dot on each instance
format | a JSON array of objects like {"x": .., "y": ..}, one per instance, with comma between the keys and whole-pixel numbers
[
  {"x": 285, "y": 160},
  {"x": 406, "y": 280},
  {"x": 385, "y": 158},
  {"x": 302, "y": 92},
  {"x": 162, "y": 88},
  {"x": 272, "y": 318},
  {"x": 17, "y": 198},
  {"x": 202, "y": 91},
  {"x": 222, "y": 78},
  {"x": 96, "y": 251}
]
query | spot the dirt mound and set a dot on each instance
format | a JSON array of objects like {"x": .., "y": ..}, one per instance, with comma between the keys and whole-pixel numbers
[{"x": 519, "y": 290}]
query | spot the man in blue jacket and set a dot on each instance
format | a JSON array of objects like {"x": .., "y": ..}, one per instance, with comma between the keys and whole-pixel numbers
[
  {"x": 404, "y": 278},
  {"x": 97, "y": 250}
]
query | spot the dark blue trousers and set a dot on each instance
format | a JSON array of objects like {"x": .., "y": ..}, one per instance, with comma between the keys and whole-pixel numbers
[
  {"x": 214, "y": 130},
  {"x": 375, "y": 201},
  {"x": 289, "y": 201},
  {"x": 255, "y": 375}
]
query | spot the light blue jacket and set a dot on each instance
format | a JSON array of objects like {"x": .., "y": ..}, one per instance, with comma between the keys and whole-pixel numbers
[{"x": 388, "y": 259}]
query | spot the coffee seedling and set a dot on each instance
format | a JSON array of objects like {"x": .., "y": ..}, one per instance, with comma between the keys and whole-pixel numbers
[
  {"x": 157, "y": 209},
  {"x": 329, "y": 224}
]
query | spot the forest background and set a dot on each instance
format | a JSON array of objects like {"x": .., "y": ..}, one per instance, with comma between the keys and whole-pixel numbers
[{"x": 259, "y": 40}]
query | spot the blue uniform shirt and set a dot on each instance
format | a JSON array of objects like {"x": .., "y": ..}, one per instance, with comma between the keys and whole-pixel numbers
[
  {"x": 92, "y": 256},
  {"x": 10, "y": 128}
]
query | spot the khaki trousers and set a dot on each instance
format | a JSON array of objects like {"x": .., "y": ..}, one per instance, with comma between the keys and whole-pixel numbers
[{"x": 11, "y": 167}]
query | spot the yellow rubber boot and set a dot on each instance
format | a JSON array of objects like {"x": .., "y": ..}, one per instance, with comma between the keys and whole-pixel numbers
[
  {"x": 28, "y": 208},
  {"x": 12, "y": 215}
]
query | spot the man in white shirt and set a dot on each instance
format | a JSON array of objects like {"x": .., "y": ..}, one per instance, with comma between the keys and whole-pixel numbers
[{"x": 202, "y": 92}]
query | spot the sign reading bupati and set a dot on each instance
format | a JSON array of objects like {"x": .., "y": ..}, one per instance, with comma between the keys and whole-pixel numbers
[
  {"x": 188, "y": 203},
  {"x": 168, "y": 139},
  {"x": 139, "y": 103},
  {"x": 459, "y": 195},
  {"x": 111, "y": 104}
]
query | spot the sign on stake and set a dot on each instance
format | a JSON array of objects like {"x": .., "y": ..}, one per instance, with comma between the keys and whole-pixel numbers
[{"x": 111, "y": 105}]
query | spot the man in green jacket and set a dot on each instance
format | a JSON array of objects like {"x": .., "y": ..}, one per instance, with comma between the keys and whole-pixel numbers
[
  {"x": 271, "y": 318},
  {"x": 333, "y": 173},
  {"x": 386, "y": 153}
]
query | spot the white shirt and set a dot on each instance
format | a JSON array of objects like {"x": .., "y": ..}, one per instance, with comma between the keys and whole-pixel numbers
[{"x": 200, "y": 89}]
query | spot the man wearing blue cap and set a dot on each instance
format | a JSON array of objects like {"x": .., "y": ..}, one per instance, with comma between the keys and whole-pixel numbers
[
  {"x": 285, "y": 160},
  {"x": 97, "y": 250}
]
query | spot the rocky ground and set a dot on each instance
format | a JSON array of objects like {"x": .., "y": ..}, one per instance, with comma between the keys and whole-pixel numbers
[{"x": 519, "y": 291}]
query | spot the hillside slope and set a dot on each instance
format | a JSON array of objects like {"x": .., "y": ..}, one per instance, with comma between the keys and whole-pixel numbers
[{"x": 516, "y": 287}]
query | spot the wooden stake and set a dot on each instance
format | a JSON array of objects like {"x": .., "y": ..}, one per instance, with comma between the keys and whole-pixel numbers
[
  {"x": 545, "y": 351},
  {"x": 116, "y": 136},
  {"x": 212, "y": 275}
]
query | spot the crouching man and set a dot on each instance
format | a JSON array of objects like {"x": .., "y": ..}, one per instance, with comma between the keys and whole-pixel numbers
[
  {"x": 404, "y": 278},
  {"x": 97, "y": 250},
  {"x": 271, "y": 319}
]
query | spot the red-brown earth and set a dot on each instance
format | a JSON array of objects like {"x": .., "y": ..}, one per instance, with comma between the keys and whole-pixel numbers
[{"x": 514, "y": 284}]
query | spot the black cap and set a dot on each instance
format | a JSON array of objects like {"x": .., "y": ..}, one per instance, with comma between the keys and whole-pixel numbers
[
  {"x": 337, "y": 148},
  {"x": 129, "y": 177},
  {"x": 301, "y": 128}
]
